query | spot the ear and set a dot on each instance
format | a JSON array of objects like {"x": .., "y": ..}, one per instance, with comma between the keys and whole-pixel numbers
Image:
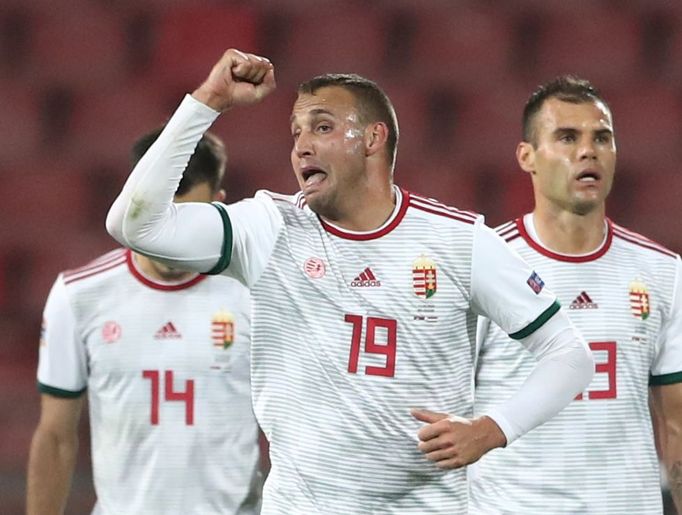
[
  {"x": 525, "y": 155},
  {"x": 376, "y": 135},
  {"x": 219, "y": 196}
]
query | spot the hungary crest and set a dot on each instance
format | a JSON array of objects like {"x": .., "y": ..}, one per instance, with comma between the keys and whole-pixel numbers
[
  {"x": 222, "y": 329},
  {"x": 640, "y": 305},
  {"x": 424, "y": 277}
]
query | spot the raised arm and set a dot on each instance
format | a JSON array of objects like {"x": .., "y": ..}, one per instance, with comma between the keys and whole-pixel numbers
[
  {"x": 53, "y": 455},
  {"x": 143, "y": 217}
]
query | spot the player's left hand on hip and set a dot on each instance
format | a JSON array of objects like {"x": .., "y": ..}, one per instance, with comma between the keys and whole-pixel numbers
[{"x": 452, "y": 442}]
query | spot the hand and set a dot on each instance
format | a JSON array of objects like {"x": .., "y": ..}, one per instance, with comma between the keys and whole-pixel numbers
[
  {"x": 452, "y": 442},
  {"x": 237, "y": 79}
]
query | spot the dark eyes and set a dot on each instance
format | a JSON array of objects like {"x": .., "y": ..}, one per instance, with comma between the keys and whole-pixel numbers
[
  {"x": 571, "y": 138},
  {"x": 320, "y": 127}
]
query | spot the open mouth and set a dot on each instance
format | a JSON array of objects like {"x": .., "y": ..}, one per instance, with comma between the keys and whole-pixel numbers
[
  {"x": 588, "y": 176},
  {"x": 312, "y": 175}
]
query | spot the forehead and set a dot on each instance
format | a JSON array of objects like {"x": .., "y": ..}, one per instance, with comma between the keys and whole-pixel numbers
[
  {"x": 555, "y": 113},
  {"x": 335, "y": 100}
]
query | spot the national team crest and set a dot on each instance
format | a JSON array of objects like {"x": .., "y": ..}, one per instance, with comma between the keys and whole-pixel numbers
[
  {"x": 640, "y": 304},
  {"x": 222, "y": 329},
  {"x": 424, "y": 277}
]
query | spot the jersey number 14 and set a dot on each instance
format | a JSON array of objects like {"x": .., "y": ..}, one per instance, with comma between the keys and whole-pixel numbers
[{"x": 170, "y": 394}]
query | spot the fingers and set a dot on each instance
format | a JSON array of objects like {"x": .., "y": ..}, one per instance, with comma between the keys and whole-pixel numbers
[
  {"x": 425, "y": 415},
  {"x": 250, "y": 67},
  {"x": 441, "y": 438},
  {"x": 435, "y": 444},
  {"x": 442, "y": 452}
]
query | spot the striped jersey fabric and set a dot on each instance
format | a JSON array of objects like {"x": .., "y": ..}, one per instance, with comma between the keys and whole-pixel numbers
[
  {"x": 166, "y": 369},
  {"x": 597, "y": 456},
  {"x": 350, "y": 331}
]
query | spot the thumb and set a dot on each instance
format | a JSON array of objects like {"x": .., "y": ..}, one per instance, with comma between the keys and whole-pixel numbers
[{"x": 428, "y": 416}]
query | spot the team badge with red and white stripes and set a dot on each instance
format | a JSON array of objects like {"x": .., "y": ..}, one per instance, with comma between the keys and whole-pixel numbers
[
  {"x": 424, "y": 275},
  {"x": 222, "y": 329},
  {"x": 640, "y": 303}
]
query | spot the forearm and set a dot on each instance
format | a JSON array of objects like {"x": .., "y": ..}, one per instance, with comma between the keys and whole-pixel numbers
[
  {"x": 565, "y": 367},
  {"x": 674, "y": 471},
  {"x": 50, "y": 468},
  {"x": 144, "y": 217}
]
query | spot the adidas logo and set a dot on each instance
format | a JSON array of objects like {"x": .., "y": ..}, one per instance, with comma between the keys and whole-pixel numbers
[
  {"x": 168, "y": 331},
  {"x": 583, "y": 301},
  {"x": 366, "y": 279}
]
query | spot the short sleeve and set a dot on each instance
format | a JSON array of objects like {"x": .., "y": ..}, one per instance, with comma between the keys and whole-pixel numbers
[
  {"x": 505, "y": 289},
  {"x": 667, "y": 366},
  {"x": 251, "y": 228},
  {"x": 62, "y": 365}
]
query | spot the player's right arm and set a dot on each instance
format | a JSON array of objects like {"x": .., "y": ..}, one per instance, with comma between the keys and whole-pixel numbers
[
  {"x": 143, "y": 217},
  {"x": 53, "y": 455},
  {"x": 62, "y": 379}
]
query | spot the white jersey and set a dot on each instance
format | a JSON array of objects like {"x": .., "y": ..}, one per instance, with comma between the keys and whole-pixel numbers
[
  {"x": 166, "y": 369},
  {"x": 351, "y": 330},
  {"x": 597, "y": 456}
]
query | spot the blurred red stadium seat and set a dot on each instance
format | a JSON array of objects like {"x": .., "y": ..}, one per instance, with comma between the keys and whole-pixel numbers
[
  {"x": 108, "y": 121},
  {"x": 334, "y": 38},
  {"x": 20, "y": 127},
  {"x": 78, "y": 44},
  {"x": 48, "y": 203},
  {"x": 465, "y": 46},
  {"x": 599, "y": 43},
  {"x": 648, "y": 127},
  {"x": 190, "y": 40}
]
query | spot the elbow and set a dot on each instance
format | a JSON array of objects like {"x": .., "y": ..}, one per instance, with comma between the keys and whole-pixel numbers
[{"x": 114, "y": 225}]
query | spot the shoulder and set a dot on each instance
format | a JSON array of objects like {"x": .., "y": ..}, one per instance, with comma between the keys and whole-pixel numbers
[
  {"x": 285, "y": 201},
  {"x": 97, "y": 269},
  {"x": 641, "y": 244},
  {"x": 508, "y": 231},
  {"x": 440, "y": 213}
]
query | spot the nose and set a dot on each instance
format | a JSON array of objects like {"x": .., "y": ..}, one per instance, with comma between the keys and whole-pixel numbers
[
  {"x": 587, "y": 149},
  {"x": 303, "y": 145}
]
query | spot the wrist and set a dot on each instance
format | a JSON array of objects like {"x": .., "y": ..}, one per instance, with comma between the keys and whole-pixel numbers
[
  {"x": 490, "y": 432},
  {"x": 209, "y": 98}
]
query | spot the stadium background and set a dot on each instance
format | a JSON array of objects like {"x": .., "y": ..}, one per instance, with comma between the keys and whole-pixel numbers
[{"x": 80, "y": 80}]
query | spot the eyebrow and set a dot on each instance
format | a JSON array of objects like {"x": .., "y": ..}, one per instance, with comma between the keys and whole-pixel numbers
[
  {"x": 314, "y": 112},
  {"x": 572, "y": 130}
]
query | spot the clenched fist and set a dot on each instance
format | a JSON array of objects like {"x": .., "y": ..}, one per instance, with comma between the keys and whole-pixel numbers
[{"x": 236, "y": 79}]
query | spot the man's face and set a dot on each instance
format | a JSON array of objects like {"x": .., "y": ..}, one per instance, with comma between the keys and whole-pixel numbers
[
  {"x": 328, "y": 156},
  {"x": 572, "y": 156}
]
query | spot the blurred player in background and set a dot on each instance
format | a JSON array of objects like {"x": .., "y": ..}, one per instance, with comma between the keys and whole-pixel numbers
[
  {"x": 365, "y": 302},
  {"x": 624, "y": 293},
  {"x": 164, "y": 357}
]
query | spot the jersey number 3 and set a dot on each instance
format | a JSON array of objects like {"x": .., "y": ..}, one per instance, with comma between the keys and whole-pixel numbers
[
  {"x": 605, "y": 370},
  {"x": 170, "y": 394},
  {"x": 387, "y": 348}
]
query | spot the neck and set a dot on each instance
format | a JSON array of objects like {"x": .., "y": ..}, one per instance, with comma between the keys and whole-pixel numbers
[
  {"x": 158, "y": 271},
  {"x": 368, "y": 210},
  {"x": 570, "y": 233}
]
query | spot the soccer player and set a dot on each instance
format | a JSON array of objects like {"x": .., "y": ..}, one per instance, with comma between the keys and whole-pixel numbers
[
  {"x": 364, "y": 302},
  {"x": 623, "y": 292},
  {"x": 164, "y": 357}
]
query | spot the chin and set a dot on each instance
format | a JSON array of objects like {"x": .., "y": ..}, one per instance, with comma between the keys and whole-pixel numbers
[
  {"x": 322, "y": 205},
  {"x": 586, "y": 207}
]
